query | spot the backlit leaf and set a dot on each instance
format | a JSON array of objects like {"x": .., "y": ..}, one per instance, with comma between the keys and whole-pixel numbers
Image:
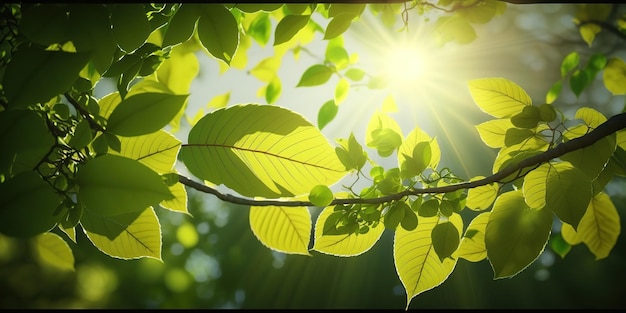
[
  {"x": 534, "y": 187},
  {"x": 341, "y": 90},
  {"x": 568, "y": 193},
  {"x": 288, "y": 27},
  {"x": 112, "y": 185},
  {"x": 278, "y": 153},
  {"x": 515, "y": 235},
  {"x": 338, "y": 25},
  {"x": 218, "y": 31},
  {"x": 54, "y": 251},
  {"x": 493, "y": 132},
  {"x": 569, "y": 63},
  {"x": 124, "y": 236},
  {"x": 589, "y": 32},
  {"x": 327, "y": 113},
  {"x": 283, "y": 229},
  {"x": 599, "y": 228},
  {"x": 321, "y": 195},
  {"x": 472, "y": 246},
  {"x": 344, "y": 245},
  {"x": 481, "y": 198},
  {"x": 158, "y": 150},
  {"x": 384, "y": 143},
  {"x": 315, "y": 75},
  {"x": 179, "y": 203},
  {"x": 219, "y": 101},
  {"x": 614, "y": 76},
  {"x": 499, "y": 97},
  {"x": 446, "y": 239},
  {"x": 417, "y": 264}
]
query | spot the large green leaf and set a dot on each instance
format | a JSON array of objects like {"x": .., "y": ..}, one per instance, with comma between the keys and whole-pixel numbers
[
  {"x": 261, "y": 150},
  {"x": 45, "y": 24},
  {"x": 480, "y": 198},
  {"x": 417, "y": 152},
  {"x": 515, "y": 235},
  {"x": 125, "y": 236},
  {"x": 599, "y": 228},
  {"x": 181, "y": 25},
  {"x": 144, "y": 113},
  {"x": 284, "y": 229},
  {"x": 158, "y": 150},
  {"x": 344, "y": 245},
  {"x": 35, "y": 75},
  {"x": 614, "y": 76},
  {"x": 499, "y": 97},
  {"x": 472, "y": 247},
  {"x": 92, "y": 19},
  {"x": 493, "y": 132},
  {"x": 25, "y": 140},
  {"x": 28, "y": 206},
  {"x": 568, "y": 193},
  {"x": 218, "y": 31},
  {"x": 417, "y": 263},
  {"x": 112, "y": 185}
]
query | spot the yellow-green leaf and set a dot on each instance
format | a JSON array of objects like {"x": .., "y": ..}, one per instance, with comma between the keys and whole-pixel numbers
[
  {"x": 472, "y": 247},
  {"x": 480, "y": 198},
  {"x": 589, "y": 32},
  {"x": 283, "y": 229},
  {"x": 493, "y": 132},
  {"x": 515, "y": 234},
  {"x": 568, "y": 193},
  {"x": 157, "y": 150},
  {"x": 614, "y": 76},
  {"x": 277, "y": 154},
  {"x": 598, "y": 229},
  {"x": 407, "y": 149},
  {"x": 54, "y": 251},
  {"x": 125, "y": 236},
  {"x": 341, "y": 90},
  {"x": 321, "y": 195},
  {"x": 345, "y": 245},
  {"x": 179, "y": 203},
  {"x": 499, "y": 97},
  {"x": 534, "y": 187},
  {"x": 219, "y": 101},
  {"x": 417, "y": 264}
]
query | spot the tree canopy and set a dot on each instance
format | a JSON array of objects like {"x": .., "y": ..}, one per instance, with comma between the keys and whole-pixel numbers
[{"x": 76, "y": 161}]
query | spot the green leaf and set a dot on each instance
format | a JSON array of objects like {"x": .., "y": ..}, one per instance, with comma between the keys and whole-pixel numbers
[
  {"x": 158, "y": 150},
  {"x": 181, "y": 26},
  {"x": 95, "y": 33},
  {"x": 260, "y": 29},
  {"x": 282, "y": 229},
  {"x": 25, "y": 141},
  {"x": 528, "y": 118},
  {"x": 515, "y": 235},
  {"x": 45, "y": 24},
  {"x": 345, "y": 8},
  {"x": 554, "y": 92},
  {"x": 125, "y": 236},
  {"x": 112, "y": 185},
  {"x": 568, "y": 193},
  {"x": 454, "y": 28},
  {"x": 219, "y": 101},
  {"x": 547, "y": 112},
  {"x": 273, "y": 90},
  {"x": 569, "y": 63},
  {"x": 341, "y": 90},
  {"x": 589, "y": 32},
  {"x": 252, "y": 160},
  {"x": 82, "y": 135},
  {"x": 288, "y": 27},
  {"x": 218, "y": 31},
  {"x": 591, "y": 160},
  {"x": 445, "y": 239},
  {"x": 130, "y": 25},
  {"x": 30, "y": 70},
  {"x": 144, "y": 113},
  {"x": 416, "y": 261},
  {"x": 355, "y": 74},
  {"x": 472, "y": 246},
  {"x": 28, "y": 206},
  {"x": 481, "y": 198},
  {"x": 345, "y": 245},
  {"x": 395, "y": 215},
  {"x": 614, "y": 76},
  {"x": 327, "y": 113},
  {"x": 409, "y": 221},
  {"x": 559, "y": 245},
  {"x": 338, "y": 25},
  {"x": 385, "y": 140},
  {"x": 255, "y": 7},
  {"x": 579, "y": 81},
  {"x": 599, "y": 228},
  {"x": 315, "y": 75},
  {"x": 417, "y": 152},
  {"x": 493, "y": 132},
  {"x": 499, "y": 97},
  {"x": 321, "y": 195},
  {"x": 337, "y": 55},
  {"x": 52, "y": 250}
]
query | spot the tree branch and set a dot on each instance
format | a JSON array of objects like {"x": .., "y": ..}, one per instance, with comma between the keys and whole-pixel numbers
[{"x": 612, "y": 125}]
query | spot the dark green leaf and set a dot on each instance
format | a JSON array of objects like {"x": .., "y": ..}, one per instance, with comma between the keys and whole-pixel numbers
[
  {"x": 218, "y": 31},
  {"x": 130, "y": 25},
  {"x": 528, "y": 118},
  {"x": 578, "y": 82},
  {"x": 338, "y": 25},
  {"x": 82, "y": 135},
  {"x": 429, "y": 208},
  {"x": 409, "y": 222},
  {"x": 395, "y": 215},
  {"x": 144, "y": 113},
  {"x": 45, "y": 24},
  {"x": 181, "y": 25},
  {"x": 445, "y": 239},
  {"x": 288, "y": 27}
]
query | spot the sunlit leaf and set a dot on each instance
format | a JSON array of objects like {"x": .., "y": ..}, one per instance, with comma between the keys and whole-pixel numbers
[
  {"x": 283, "y": 229},
  {"x": 219, "y": 101},
  {"x": 454, "y": 28},
  {"x": 515, "y": 235},
  {"x": 589, "y": 32},
  {"x": 568, "y": 193},
  {"x": 472, "y": 246},
  {"x": 499, "y": 97},
  {"x": 569, "y": 63},
  {"x": 52, "y": 250},
  {"x": 338, "y": 25},
  {"x": 528, "y": 118},
  {"x": 315, "y": 75},
  {"x": 554, "y": 92},
  {"x": 321, "y": 195},
  {"x": 177, "y": 71},
  {"x": 534, "y": 187},
  {"x": 112, "y": 185},
  {"x": 417, "y": 264},
  {"x": 383, "y": 142},
  {"x": 599, "y": 228},
  {"x": 481, "y": 198},
  {"x": 578, "y": 81},
  {"x": 253, "y": 160},
  {"x": 493, "y": 132},
  {"x": 179, "y": 203},
  {"x": 273, "y": 90},
  {"x": 355, "y": 74},
  {"x": 124, "y": 236},
  {"x": 614, "y": 76},
  {"x": 28, "y": 205},
  {"x": 344, "y": 245},
  {"x": 327, "y": 113},
  {"x": 341, "y": 90},
  {"x": 591, "y": 160},
  {"x": 158, "y": 150}
]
